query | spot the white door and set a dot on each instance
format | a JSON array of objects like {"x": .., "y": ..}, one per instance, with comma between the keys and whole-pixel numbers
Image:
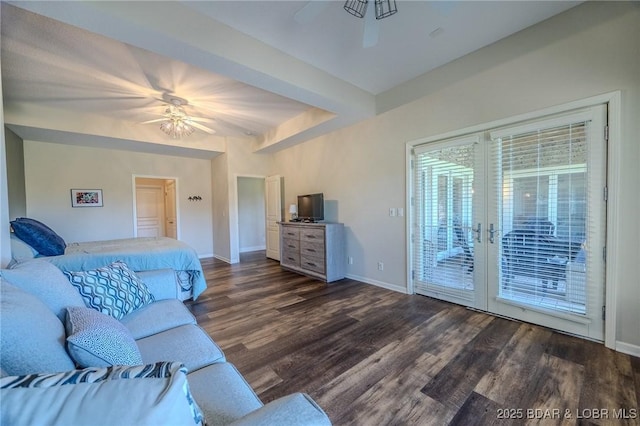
[
  {"x": 448, "y": 260},
  {"x": 523, "y": 206},
  {"x": 273, "y": 200},
  {"x": 150, "y": 216},
  {"x": 171, "y": 227},
  {"x": 547, "y": 211}
]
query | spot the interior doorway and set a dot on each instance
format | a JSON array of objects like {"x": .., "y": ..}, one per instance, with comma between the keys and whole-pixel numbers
[
  {"x": 155, "y": 207},
  {"x": 251, "y": 214}
]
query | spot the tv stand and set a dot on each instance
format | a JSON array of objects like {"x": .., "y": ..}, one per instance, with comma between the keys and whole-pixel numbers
[{"x": 313, "y": 249}]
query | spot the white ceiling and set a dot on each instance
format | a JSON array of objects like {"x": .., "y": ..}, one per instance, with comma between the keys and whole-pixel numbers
[{"x": 94, "y": 71}]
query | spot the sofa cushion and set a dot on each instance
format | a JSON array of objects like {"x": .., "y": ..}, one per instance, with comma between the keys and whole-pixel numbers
[
  {"x": 157, "y": 317},
  {"x": 39, "y": 236},
  {"x": 142, "y": 395},
  {"x": 98, "y": 340},
  {"x": 32, "y": 337},
  {"x": 45, "y": 281},
  {"x": 222, "y": 393},
  {"x": 291, "y": 410},
  {"x": 188, "y": 344},
  {"x": 113, "y": 289}
]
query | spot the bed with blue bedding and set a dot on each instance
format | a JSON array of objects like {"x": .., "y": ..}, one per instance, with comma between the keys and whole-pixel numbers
[{"x": 140, "y": 254}]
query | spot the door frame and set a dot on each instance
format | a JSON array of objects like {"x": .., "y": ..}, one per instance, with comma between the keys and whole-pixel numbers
[
  {"x": 135, "y": 209},
  {"x": 234, "y": 221},
  {"x": 613, "y": 213}
]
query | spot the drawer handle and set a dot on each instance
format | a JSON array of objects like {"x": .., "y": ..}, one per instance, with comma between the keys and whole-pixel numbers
[
  {"x": 311, "y": 237},
  {"x": 311, "y": 264},
  {"x": 311, "y": 250},
  {"x": 290, "y": 258},
  {"x": 291, "y": 233},
  {"x": 290, "y": 246}
]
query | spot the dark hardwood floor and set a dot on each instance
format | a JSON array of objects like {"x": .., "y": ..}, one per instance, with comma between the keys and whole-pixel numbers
[{"x": 371, "y": 356}]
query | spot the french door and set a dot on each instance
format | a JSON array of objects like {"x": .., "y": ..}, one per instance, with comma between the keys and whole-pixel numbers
[{"x": 512, "y": 221}]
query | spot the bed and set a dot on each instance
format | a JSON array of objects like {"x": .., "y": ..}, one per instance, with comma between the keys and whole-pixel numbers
[{"x": 140, "y": 254}]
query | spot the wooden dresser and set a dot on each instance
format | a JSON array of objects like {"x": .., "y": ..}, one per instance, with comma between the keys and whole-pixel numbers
[{"x": 314, "y": 249}]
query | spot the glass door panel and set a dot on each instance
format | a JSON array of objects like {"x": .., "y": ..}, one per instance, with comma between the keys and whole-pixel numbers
[
  {"x": 444, "y": 213},
  {"x": 548, "y": 214}
]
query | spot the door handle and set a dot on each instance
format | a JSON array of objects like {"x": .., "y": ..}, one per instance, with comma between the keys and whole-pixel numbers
[
  {"x": 492, "y": 233},
  {"x": 478, "y": 231}
]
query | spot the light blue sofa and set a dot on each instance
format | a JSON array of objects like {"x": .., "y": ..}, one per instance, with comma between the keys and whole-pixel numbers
[{"x": 37, "y": 301}]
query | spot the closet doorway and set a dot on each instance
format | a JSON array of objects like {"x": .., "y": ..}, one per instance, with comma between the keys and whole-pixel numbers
[{"x": 155, "y": 207}]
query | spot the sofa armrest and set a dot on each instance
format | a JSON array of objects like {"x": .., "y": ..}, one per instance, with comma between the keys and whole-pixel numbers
[
  {"x": 291, "y": 410},
  {"x": 162, "y": 283}
]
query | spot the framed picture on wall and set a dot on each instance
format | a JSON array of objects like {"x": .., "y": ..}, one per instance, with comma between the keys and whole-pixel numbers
[{"x": 86, "y": 198}]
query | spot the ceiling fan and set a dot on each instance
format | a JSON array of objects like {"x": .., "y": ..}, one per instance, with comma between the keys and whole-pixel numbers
[
  {"x": 176, "y": 122},
  {"x": 357, "y": 8}
]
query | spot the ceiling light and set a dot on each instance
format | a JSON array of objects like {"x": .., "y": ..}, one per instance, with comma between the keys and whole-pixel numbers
[
  {"x": 177, "y": 123},
  {"x": 383, "y": 8}
]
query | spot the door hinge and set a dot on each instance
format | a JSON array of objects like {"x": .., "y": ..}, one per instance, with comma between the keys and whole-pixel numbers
[
  {"x": 605, "y": 193},
  {"x": 604, "y": 312},
  {"x": 606, "y": 133},
  {"x": 604, "y": 253}
]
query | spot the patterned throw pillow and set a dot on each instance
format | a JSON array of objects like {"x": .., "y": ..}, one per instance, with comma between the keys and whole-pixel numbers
[
  {"x": 113, "y": 290},
  {"x": 98, "y": 340},
  {"x": 161, "y": 392}
]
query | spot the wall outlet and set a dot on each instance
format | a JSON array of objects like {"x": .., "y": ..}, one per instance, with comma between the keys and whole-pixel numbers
[
  {"x": 350, "y": 260},
  {"x": 392, "y": 211},
  {"x": 400, "y": 211},
  {"x": 380, "y": 266}
]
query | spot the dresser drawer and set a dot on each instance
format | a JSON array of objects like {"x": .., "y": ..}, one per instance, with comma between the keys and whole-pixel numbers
[
  {"x": 312, "y": 234},
  {"x": 312, "y": 263},
  {"x": 290, "y": 244},
  {"x": 290, "y": 258},
  {"x": 312, "y": 248},
  {"x": 291, "y": 232}
]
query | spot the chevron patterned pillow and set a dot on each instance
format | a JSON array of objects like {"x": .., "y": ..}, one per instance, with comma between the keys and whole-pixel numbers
[{"x": 113, "y": 289}]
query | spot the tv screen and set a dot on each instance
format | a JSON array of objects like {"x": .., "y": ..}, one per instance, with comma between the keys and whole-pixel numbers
[{"x": 311, "y": 207}]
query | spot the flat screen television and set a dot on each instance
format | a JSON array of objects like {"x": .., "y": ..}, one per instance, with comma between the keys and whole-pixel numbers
[{"x": 311, "y": 207}]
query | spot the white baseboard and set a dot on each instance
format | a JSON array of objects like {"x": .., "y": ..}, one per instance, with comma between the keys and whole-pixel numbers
[
  {"x": 388, "y": 286},
  {"x": 224, "y": 259},
  {"x": 255, "y": 248},
  {"x": 628, "y": 348},
  {"x": 204, "y": 256}
]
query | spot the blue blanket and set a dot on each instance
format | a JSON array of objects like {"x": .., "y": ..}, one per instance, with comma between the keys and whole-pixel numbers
[{"x": 140, "y": 254}]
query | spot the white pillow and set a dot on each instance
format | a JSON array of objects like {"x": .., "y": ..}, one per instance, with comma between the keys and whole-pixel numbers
[
  {"x": 98, "y": 340},
  {"x": 153, "y": 394}
]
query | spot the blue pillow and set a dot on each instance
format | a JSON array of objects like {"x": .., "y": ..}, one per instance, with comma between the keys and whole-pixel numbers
[
  {"x": 39, "y": 236},
  {"x": 113, "y": 289}
]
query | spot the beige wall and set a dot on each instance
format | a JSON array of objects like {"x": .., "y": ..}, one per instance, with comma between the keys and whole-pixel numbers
[
  {"x": 51, "y": 170},
  {"x": 587, "y": 51}
]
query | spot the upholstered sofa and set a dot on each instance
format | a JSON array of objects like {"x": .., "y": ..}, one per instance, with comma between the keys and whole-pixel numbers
[{"x": 64, "y": 362}]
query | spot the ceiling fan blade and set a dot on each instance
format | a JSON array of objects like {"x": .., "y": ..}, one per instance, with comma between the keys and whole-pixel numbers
[
  {"x": 157, "y": 120},
  {"x": 371, "y": 30},
  {"x": 309, "y": 11},
  {"x": 203, "y": 128}
]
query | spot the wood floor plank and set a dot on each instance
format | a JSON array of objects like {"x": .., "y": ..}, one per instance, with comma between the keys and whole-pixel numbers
[
  {"x": 371, "y": 356},
  {"x": 504, "y": 383},
  {"x": 453, "y": 385}
]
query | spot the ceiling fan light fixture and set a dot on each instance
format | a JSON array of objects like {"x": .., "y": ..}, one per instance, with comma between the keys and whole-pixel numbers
[
  {"x": 356, "y": 7},
  {"x": 385, "y": 8},
  {"x": 177, "y": 123}
]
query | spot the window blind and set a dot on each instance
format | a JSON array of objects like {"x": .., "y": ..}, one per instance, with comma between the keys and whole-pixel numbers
[
  {"x": 443, "y": 216},
  {"x": 542, "y": 190}
]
